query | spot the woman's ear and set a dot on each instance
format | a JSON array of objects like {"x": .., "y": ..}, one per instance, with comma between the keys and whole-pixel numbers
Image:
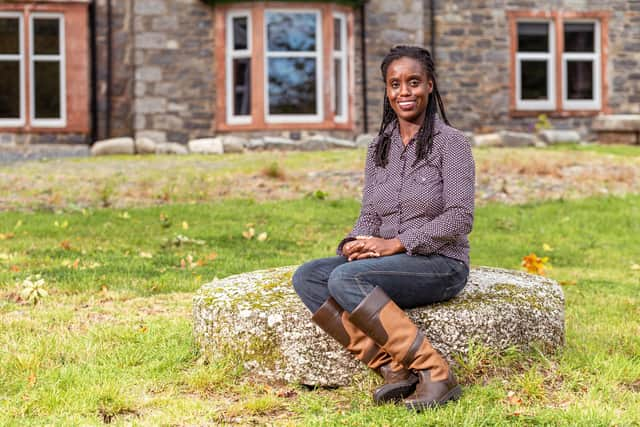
[{"x": 430, "y": 86}]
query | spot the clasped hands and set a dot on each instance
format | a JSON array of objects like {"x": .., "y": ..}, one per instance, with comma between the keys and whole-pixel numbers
[{"x": 371, "y": 247}]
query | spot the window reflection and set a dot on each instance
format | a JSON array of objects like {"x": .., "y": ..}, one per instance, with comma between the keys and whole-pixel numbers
[
  {"x": 292, "y": 85},
  {"x": 291, "y": 32}
]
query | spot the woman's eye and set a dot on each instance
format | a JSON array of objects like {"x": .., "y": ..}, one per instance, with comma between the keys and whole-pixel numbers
[
  {"x": 395, "y": 85},
  {"x": 414, "y": 82}
]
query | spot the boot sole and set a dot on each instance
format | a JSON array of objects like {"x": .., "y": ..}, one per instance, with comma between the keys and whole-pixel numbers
[
  {"x": 453, "y": 394},
  {"x": 393, "y": 392}
]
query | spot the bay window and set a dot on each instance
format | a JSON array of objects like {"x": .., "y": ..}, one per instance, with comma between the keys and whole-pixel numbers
[
  {"x": 284, "y": 67},
  {"x": 12, "y": 103}
]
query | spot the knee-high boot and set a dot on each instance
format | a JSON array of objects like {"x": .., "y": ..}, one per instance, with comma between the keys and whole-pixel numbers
[
  {"x": 399, "y": 381},
  {"x": 390, "y": 327}
]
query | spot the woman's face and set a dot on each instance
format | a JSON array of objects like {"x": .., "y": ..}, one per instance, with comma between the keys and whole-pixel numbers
[{"x": 408, "y": 87}]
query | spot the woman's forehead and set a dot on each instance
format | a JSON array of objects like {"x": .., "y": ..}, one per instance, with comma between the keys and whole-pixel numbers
[{"x": 405, "y": 65}]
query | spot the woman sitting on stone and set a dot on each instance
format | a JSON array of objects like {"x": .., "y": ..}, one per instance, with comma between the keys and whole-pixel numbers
[{"x": 409, "y": 246}]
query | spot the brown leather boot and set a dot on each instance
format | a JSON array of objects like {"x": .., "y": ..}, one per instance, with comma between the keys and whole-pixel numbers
[
  {"x": 390, "y": 327},
  {"x": 399, "y": 382}
]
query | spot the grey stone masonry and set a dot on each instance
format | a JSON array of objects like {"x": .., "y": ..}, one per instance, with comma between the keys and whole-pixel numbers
[{"x": 174, "y": 62}]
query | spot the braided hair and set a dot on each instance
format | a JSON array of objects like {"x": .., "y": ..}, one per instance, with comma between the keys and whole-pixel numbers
[{"x": 424, "y": 136}]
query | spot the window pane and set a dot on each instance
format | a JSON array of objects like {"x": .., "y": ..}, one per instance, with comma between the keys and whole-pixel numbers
[
  {"x": 579, "y": 37},
  {"x": 291, "y": 32},
  {"x": 533, "y": 37},
  {"x": 292, "y": 86},
  {"x": 337, "y": 34},
  {"x": 9, "y": 90},
  {"x": 534, "y": 79},
  {"x": 580, "y": 80},
  {"x": 47, "y": 90},
  {"x": 46, "y": 39},
  {"x": 9, "y": 36},
  {"x": 240, "y": 33},
  {"x": 242, "y": 86},
  {"x": 337, "y": 79}
]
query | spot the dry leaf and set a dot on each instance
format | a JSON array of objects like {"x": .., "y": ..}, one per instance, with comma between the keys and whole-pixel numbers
[
  {"x": 185, "y": 225},
  {"x": 567, "y": 282},
  {"x": 75, "y": 264},
  {"x": 513, "y": 398},
  {"x": 14, "y": 268},
  {"x": 32, "y": 379},
  {"x": 248, "y": 234},
  {"x": 212, "y": 256},
  {"x": 547, "y": 248},
  {"x": 146, "y": 255},
  {"x": 6, "y": 236},
  {"x": 534, "y": 264},
  {"x": 635, "y": 267},
  {"x": 66, "y": 245},
  {"x": 262, "y": 236}
]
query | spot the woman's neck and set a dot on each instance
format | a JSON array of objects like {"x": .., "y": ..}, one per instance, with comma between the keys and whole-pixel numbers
[{"x": 408, "y": 130}]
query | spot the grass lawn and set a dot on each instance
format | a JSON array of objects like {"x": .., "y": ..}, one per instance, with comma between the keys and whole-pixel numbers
[{"x": 111, "y": 342}]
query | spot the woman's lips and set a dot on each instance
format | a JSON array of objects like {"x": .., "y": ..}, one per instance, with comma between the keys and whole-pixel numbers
[{"x": 406, "y": 105}]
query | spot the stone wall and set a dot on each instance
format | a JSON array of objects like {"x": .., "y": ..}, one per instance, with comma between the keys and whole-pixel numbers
[
  {"x": 174, "y": 69},
  {"x": 121, "y": 111},
  {"x": 473, "y": 57}
]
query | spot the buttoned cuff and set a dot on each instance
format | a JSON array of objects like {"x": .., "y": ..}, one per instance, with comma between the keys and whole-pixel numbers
[{"x": 414, "y": 243}]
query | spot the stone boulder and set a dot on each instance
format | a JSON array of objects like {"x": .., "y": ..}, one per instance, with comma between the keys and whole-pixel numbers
[
  {"x": 325, "y": 142},
  {"x": 111, "y": 146},
  {"x": 259, "y": 317},
  {"x": 206, "y": 146},
  {"x": 171, "y": 148},
  {"x": 145, "y": 145},
  {"x": 487, "y": 140},
  {"x": 518, "y": 139},
  {"x": 557, "y": 136},
  {"x": 233, "y": 144}
]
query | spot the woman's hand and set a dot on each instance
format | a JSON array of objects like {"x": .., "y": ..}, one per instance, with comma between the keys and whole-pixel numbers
[{"x": 371, "y": 247}]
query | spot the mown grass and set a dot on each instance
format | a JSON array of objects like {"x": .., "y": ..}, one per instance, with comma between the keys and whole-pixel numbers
[{"x": 112, "y": 342}]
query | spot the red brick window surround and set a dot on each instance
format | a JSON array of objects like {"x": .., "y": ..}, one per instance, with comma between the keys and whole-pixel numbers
[
  {"x": 558, "y": 63},
  {"x": 44, "y": 67},
  {"x": 283, "y": 66}
]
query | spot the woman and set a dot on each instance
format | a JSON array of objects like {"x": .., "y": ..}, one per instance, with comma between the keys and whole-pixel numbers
[{"x": 409, "y": 246}]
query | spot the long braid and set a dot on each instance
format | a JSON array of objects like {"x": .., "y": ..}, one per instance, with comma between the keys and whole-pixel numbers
[{"x": 424, "y": 136}]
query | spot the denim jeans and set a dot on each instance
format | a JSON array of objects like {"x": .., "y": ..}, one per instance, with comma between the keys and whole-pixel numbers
[{"x": 410, "y": 281}]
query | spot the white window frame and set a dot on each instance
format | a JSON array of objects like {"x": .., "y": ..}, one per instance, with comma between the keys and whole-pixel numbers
[
  {"x": 19, "y": 121},
  {"x": 232, "y": 54},
  {"x": 60, "y": 58},
  {"x": 343, "y": 57},
  {"x": 317, "y": 54},
  {"x": 550, "y": 103},
  {"x": 595, "y": 58}
]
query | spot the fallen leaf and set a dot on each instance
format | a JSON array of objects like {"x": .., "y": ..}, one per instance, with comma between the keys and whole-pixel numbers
[
  {"x": 75, "y": 264},
  {"x": 146, "y": 255},
  {"x": 66, "y": 245},
  {"x": 635, "y": 267},
  {"x": 567, "y": 282},
  {"x": 513, "y": 398},
  {"x": 262, "y": 236},
  {"x": 248, "y": 234},
  {"x": 212, "y": 256},
  {"x": 32, "y": 379},
  {"x": 287, "y": 393},
  {"x": 534, "y": 264},
  {"x": 6, "y": 236},
  {"x": 185, "y": 225},
  {"x": 63, "y": 224},
  {"x": 14, "y": 268},
  {"x": 125, "y": 215},
  {"x": 547, "y": 248},
  {"x": 18, "y": 224}
]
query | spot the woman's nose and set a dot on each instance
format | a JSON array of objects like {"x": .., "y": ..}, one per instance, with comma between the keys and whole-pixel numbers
[{"x": 404, "y": 89}]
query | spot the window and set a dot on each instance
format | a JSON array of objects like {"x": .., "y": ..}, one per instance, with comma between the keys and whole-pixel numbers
[
  {"x": 47, "y": 83},
  {"x": 239, "y": 68},
  {"x": 339, "y": 67},
  {"x": 581, "y": 66},
  {"x": 12, "y": 105},
  {"x": 534, "y": 66},
  {"x": 45, "y": 61},
  {"x": 285, "y": 67},
  {"x": 558, "y": 61}
]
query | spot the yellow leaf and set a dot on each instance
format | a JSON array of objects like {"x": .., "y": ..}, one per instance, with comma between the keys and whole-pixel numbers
[
  {"x": 185, "y": 225},
  {"x": 32, "y": 379},
  {"x": 262, "y": 236},
  {"x": 18, "y": 224},
  {"x": 248, "y": 234},
  {"x": 513, "y": 398},
  {"x": 146, "y": 255},
  {"x": 6, "y": 236},
  {"x": 635, "y": 267},
  {"x": 534, "y": 264},
  {"x": 547, "y": 248}
]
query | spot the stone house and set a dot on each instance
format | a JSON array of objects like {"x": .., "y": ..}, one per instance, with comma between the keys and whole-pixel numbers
[{"x": 74, "y": 71}]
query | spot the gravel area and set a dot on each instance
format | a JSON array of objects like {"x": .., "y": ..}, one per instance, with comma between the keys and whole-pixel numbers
[{"x": 16, "y": 153}]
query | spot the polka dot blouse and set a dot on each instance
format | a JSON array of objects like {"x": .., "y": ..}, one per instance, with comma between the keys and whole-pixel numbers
[{"x": 427, "y": 206}]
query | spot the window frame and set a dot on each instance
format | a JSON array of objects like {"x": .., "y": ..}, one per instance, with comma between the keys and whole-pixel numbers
[
  {"x": 595, "y": 57},
  {"x": 232, "y": 54},
  {"x": 343, "y": 56},
  {"x": 317, "y": 54},
  {"x": 60, "y": 58},
  {"x": 259, "y": 120},
  {"x": 20, "y": 57},
  {"x": 558, "y": 17},
  {"x": 550, "y": 103}
]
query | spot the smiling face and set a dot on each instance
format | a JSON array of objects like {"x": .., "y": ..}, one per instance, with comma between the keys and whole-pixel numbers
[{"x": 408, "y": 87}]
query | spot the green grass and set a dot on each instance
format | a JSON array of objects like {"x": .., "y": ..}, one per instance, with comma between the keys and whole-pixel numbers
[
  {"x": 615, "y": 149},
  {"x": 112, "y": 341}
]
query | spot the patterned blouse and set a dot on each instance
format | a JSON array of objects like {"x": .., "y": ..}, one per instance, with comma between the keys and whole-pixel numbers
[{"x": 428, "y": 206}]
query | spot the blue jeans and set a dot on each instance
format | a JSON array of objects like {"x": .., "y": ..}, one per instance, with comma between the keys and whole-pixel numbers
[{"x": 410, "y": 281}]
